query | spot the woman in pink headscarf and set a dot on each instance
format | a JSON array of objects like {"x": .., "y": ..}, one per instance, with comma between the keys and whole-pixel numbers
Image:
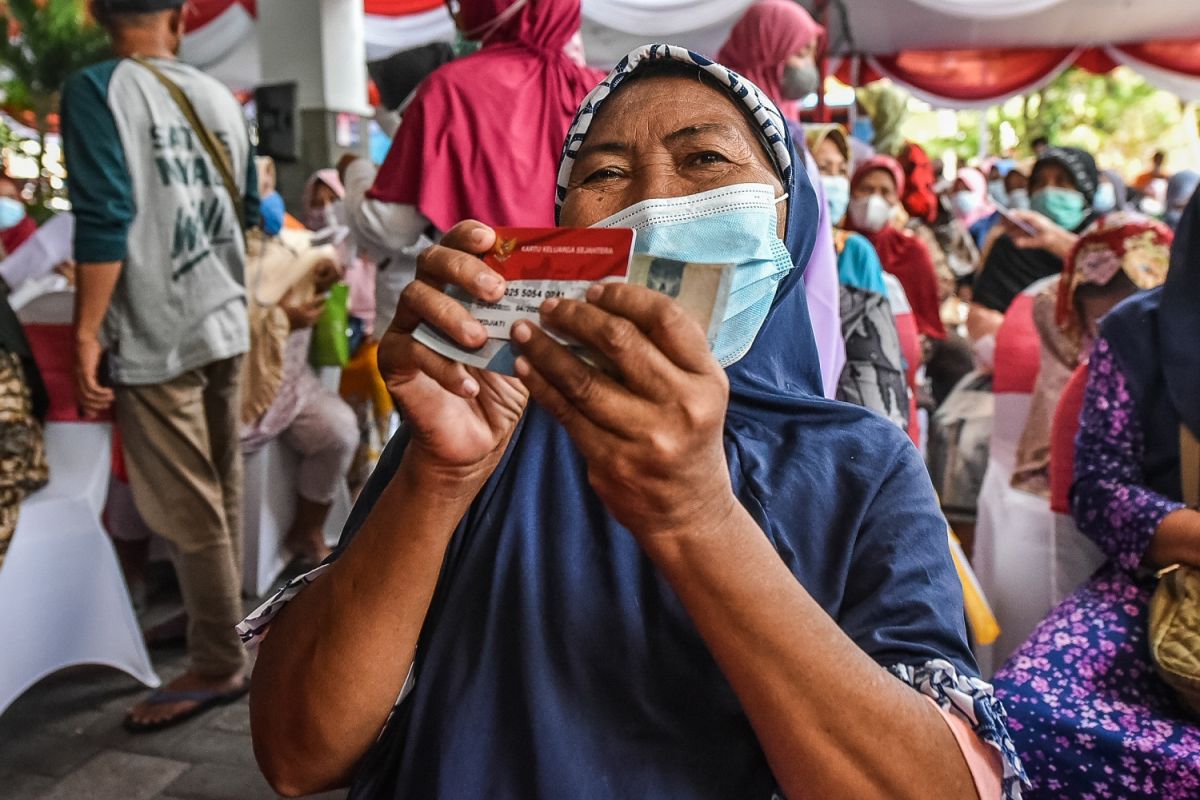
[
  {"x": 972, "y": 204},
  {"x": 480, "y": 139},
  {"x": 775, "y": 45}
]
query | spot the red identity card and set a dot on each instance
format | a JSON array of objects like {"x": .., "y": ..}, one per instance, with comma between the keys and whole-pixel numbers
[
  {"x": 537, "y": 264},
  {"x": 541, "y": 263}
]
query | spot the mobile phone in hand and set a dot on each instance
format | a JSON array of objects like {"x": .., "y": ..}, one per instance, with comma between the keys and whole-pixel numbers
[{"x": 1021, "y": 225}]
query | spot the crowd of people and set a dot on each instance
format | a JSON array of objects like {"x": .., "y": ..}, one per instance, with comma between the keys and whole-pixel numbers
[{"x": 651, "y": 580}]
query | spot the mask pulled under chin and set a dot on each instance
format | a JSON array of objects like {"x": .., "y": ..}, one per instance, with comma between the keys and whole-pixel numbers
[{"x": 730, "y": 225}]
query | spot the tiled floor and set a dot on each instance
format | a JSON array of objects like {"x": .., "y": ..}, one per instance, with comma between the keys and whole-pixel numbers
[{"x": 63, "y": 740}]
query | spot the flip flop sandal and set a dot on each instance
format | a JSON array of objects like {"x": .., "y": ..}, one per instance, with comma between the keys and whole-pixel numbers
[{"x": 205, "y": 700}]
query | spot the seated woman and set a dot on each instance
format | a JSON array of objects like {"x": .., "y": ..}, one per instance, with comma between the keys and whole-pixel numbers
[
  {"x": 1062, "y": 187},
  {"x": 874, "y": 373},
  {"x": 973, "y": 207},
  {"x": 1120, "y": 254},
  {"x": 695, "y": 580},
  {"x": 1091, "y": 716},
  {"x": 282, "y": 398}
]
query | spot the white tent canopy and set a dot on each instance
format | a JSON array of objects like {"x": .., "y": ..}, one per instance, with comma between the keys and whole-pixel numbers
[{"x": 226, "y": 44}]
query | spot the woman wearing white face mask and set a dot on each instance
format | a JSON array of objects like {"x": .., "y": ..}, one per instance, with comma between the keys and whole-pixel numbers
[
  {"x": 972, "y": 204},
  {"x": 874, "y": 373},
  {"x": 875, "y": 190}
]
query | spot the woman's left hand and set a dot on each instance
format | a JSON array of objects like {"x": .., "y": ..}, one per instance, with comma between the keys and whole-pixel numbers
[{"x": 653, "y": 440}]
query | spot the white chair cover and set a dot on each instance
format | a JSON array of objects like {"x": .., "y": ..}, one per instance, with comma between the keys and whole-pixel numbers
[{"x": 63, "y": 600}]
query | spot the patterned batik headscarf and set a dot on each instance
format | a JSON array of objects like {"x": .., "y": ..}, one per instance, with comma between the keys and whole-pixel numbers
[{"x": 1120, "y": 242}]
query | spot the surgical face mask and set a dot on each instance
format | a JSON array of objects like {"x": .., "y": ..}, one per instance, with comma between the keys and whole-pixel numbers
[
  {"x": 799, "y": 82},
  {"x": 730, "y": 225},
  {"x": 11, "y": 212},
  {"x": 870, "y": 213},
  {"x": 1019, "y": 199},
  {"x": 997, "y": 192},
  {"x": 864, "y": 130},
  {"x": 965, "y": 203},
  {"x": 837, "y": 196},
  {"x": 1106, "y": 198},
  {"x": 1066, "y": 207}
]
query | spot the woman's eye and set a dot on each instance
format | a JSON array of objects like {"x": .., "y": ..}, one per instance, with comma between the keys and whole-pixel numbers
[
  {"x": 602, "y": 174},
  {"x": 709, "y": 157}
]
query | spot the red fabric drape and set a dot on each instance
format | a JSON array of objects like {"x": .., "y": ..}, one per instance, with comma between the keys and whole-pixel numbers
[
  {"x": 400, "y": 8},
  {"x": 202, "y": 12},
  {"x": 974, "y": 75},
  {"x": 1183, "y": 57}
]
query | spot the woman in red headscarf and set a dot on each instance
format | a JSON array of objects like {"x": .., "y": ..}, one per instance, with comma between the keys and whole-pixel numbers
[
  {"x": 775, "y": 45},
  {"x": 480, "y": 138},
  {"x": 875, "y": 191}
]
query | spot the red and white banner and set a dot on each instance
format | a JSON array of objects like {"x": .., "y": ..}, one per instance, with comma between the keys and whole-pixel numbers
[{"x": 957, "y": 53}]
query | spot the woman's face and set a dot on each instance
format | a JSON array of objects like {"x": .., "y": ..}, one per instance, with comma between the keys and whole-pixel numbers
[
  {"x": 663, "y": 137},
  {"x": 1052, "y": 175},
  {"x": 1015, "y": 180},
  {"x": 323, "y": 196},
  {"x": 10, "y": 190},
  {"x": 829, "y": 158},
  {"x": 877, "y": 181},
  {"x": 804, "y": 57}
]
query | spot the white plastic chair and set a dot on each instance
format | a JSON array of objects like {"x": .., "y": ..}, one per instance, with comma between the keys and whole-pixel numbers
[
  {"x": 63, "y": 600},
  {"x": 270, "y": 500}
]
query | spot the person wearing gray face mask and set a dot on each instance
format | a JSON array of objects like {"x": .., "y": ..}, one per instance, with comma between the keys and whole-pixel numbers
[{"x": 775, "y": 45}]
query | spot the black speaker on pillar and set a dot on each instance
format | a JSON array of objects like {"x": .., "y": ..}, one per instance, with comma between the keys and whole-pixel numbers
[{"x": 277, "y": 121}]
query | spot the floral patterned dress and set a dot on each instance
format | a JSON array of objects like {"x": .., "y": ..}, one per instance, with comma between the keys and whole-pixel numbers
[{"x": 1090, "y": 717}]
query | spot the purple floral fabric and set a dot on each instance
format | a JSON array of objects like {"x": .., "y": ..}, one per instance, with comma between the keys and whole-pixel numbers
[
  {"x": 1110, "y": 505},
  {"x": 1090, "y": 717}
]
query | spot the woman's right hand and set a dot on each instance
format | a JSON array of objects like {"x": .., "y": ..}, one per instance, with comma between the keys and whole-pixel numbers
[
  {"x": 1046, "y": 234},
  {"x": 461, "y": 417}
]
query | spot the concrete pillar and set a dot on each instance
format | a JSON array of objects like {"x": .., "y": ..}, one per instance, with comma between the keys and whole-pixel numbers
[{"x": 318, "y": 45}]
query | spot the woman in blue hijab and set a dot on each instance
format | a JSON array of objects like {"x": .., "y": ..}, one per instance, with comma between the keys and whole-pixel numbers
[{"x": 697, "y": 580}]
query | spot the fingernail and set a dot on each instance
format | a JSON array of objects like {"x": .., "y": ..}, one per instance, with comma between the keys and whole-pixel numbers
[
  {"x": 521, "y": 366},
  {"x": 473, "y": 330},
  {"x": 478, "y": 236},
  {"x": 594, "y": 292},
  {"x": 470, "y": 387},
  {"x": 549, "y": 305},
  {"x": 521, "y": 332},
  {"x": 488, "y": 281}
]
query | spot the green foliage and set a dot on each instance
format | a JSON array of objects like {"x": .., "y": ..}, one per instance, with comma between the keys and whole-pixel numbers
[
  {"x": 49, "y": 39},
  {"x": 41, "y": 43},
  {"x": 1117, "y": 116}
]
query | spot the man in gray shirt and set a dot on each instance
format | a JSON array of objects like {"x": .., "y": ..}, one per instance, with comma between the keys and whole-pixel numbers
[{"x": 161, "y": 251}]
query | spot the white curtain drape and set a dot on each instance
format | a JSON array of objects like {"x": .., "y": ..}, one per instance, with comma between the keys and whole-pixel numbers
[
  {"x": 662, "y": 18},
  {"x": 987, "y": 9}
]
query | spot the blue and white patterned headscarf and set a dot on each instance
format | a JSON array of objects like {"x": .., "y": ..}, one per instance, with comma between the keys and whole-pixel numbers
[{"x": 771, "y": 125}]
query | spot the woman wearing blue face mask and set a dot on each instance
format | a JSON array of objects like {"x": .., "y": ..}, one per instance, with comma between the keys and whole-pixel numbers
[
  {"x": 1062, "y": 188},
  {"x": 664, "y": 582},
  {"x": 16, "y": 226}
]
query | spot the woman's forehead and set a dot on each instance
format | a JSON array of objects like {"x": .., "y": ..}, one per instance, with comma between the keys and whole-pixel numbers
[{"x": 649, "y": 110}]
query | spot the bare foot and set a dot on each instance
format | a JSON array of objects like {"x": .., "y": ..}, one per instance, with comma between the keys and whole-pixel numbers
[{"x": 154, "y": 714}]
